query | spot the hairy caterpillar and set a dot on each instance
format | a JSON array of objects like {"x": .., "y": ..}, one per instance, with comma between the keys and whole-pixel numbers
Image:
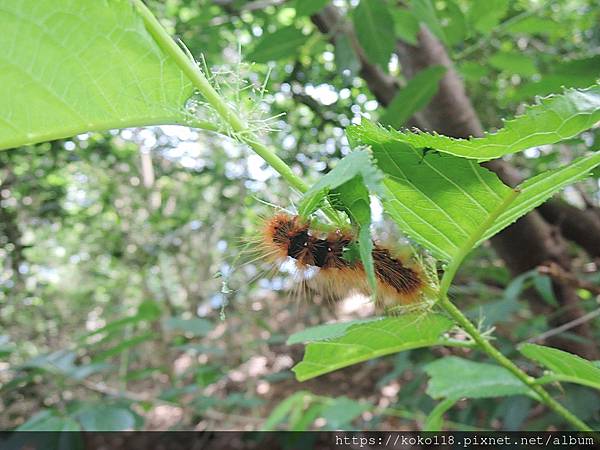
[{"x": 399, "y": 282}]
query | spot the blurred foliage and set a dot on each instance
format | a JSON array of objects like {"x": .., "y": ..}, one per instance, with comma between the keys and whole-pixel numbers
[{"x": 124, "y": 304}]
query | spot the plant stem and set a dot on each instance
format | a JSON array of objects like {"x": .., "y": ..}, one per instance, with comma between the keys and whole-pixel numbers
[
  {"x": 474, "y": 333},
  {"x": 487, "y": 347},
  {"x": 237, "y": 125}
]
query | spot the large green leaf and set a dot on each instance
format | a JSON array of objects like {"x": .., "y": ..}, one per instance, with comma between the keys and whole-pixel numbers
[
  {"x": 439, "y": 200},
  {"x": 281, "y": 44},
  {"x": 70, "y": 66},
  {"x": 371, "y": 339},
  {"x": 455, "y": 377},
  {"x": 374, "y": 27},
  {"x": 564, "y": 366},
  {"x": 538, "y": 189},
  {"x": 415, "y": 96},
  {"x": 554, "y": 119}
]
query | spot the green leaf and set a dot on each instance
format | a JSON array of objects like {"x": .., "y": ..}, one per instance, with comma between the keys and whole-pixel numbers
[
  {"x": 563, "y": 365},
  {"x": 356, "y": 164},
  {"x": 536, "y": 25},
  {"x": 455, "y": 24},
  {"x": 555, "y": 118},
  {"x": 48, "y": 420},
  {"x": 439, "y": 200},
  {"x": 413, "y": 97},
  {"x": 371, "y": 339},
  {"x": 485, "y": 16},
  {"x": 281, "y": 44},
  {"x": 345, "y": 58},
  {"x": 365, "y": 247},
  {"x": 56, "y": 81},
  {"x": 424, "y": 10},
  {"x": 340, "y": 412},
  {"x": 575, "y": 73},
  {"x": 281, "y": 411},
  {"x": 454, "y": 377},
  {"x": 407, "y": 26},
  {"x": 514, "y": 63},
  {"x": 435, "y": 418},
  {"x": 323, "y": 332},
  {"x": 354, "y": 197},
  {"x": 309, "y": 7},
  {"x": 99, "y": 417},
  {"x": 304, "y": 419},
  {"x": 196, "y": 326},
  {"x": 371, "y": 18},
  {"x": 538, "y": 189},
  {"x": 122, "y": 346}
]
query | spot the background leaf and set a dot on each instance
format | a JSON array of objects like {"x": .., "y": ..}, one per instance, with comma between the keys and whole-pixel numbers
[
  {"x": 340, "y": 413},
  {"x": 98, "y": 417},
  {"x": 538, "y": 189},
  {"x": 436, "y": 417},
  {"x": 371, "y": 17},
  {"x": 413, "y": 97},
  {"x": 564, "y": 365},
  {"x": 407, "y": 25},
  {"x": 554, "y": 119},
  {"x": 424, "y": 10},
  {"x": 56, "y": 81},
  {"x": 363, "y": 341},
  {"x": 513, "y": 62},
  {"x": 281, "y": 411},
  {"x": 196, "y": 326},
  {"x": 309, "y": 7},
  {"x": 48, "y": 420},
  {"x": 484, "y": 16},
  {"x": 281, "y": 44}
]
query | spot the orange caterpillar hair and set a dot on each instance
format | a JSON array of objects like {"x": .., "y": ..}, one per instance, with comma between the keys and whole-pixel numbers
[{"x": 286, "y": 236}]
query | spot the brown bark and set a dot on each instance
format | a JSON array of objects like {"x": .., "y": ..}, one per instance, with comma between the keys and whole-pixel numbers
[
  {"x": 577, "y": 225},
  {"x": 528, "y": 243}
]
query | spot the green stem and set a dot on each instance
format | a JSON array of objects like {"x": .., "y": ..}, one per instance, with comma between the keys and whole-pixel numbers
[
  {"x": 485, "y": 345},
  {"x": 193, "y": 72},
  {"x": 479, "y": 339}
]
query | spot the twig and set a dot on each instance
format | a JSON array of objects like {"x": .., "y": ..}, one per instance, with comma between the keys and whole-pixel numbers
[
  {"x": 556, "y": 272},
  {"x": 566, "y": 326}
]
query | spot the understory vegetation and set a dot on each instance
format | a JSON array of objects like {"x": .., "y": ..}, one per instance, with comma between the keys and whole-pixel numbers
[{"x": 144, "y": 144}]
